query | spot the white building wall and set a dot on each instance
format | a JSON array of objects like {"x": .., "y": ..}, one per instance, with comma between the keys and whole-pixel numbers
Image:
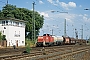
[{"x": 15, "y": 35}]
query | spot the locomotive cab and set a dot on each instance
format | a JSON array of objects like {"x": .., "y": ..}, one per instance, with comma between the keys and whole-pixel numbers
[
  {"x": 39, "y": 41},
  {"x": 47, "y": 40}
]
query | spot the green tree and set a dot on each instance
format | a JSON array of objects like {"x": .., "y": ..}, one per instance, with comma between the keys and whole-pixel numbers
[{"x": 23, "y": 14}]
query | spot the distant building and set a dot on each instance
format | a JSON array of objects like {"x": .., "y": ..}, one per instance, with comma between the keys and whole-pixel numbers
[{"x": 14, "y": 30}]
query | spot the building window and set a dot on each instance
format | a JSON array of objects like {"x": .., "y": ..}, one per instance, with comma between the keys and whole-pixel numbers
[
  {"x": 4, "y": 27},
  {"x": 16, "y": 23},
  {"x": 12, "y": 23},
  {"x": 0, "y": 22},
  {"x": 19, "y": 32},
  {"x": 20, "y": 24},
  {"x": 11, "y": 41},
  {"x": 23, "y": 25},
  {"x": 23, "y": 42},
  {"x": 15, "y": 32},
  {"x": 3, "y": 22},
  {"x": 3, "y": 31},
  {"x": 16, "y": 35},
  {"x": 7, "y": 22},
  {"x": 19, "y": 41}
]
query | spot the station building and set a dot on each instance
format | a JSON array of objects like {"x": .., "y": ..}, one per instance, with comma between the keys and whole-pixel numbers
[{"x": 14, "y": 30}]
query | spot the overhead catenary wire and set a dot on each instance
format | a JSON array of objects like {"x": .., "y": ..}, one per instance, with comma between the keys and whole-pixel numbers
[
  {"x": 79, "y": 20},
  {"x": 2, "y": 2}
]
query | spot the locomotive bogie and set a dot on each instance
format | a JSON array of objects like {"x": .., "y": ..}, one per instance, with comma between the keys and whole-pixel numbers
[{"x": 39, "y": 44}]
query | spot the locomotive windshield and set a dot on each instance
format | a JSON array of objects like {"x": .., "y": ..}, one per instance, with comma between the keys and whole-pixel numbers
[{"x": 46, "y": 34}]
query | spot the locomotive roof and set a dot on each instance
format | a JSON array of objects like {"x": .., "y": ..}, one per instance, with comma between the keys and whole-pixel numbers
[{"x": 46, "y": 34}]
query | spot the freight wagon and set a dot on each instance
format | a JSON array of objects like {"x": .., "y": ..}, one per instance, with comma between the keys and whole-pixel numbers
[
  {"x": 58, "y": 40},
  {"x": 81, "y": 41},
  {"x": 69, "y": 40}
]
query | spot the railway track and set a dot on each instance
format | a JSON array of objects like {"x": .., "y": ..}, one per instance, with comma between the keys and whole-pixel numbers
[
  {"x": 9, "y": 51},
  {"x": 18, "y": 56},
  {"x": 49, "y": 53},
  {"x": 72, "y": 54}
]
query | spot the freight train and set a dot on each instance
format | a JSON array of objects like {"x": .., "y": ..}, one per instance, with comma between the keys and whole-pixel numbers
[{"x": 49, "y": 40}]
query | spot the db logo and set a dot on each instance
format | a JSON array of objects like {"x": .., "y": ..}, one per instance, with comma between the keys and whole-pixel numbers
[{"x": 47, "y": 38}]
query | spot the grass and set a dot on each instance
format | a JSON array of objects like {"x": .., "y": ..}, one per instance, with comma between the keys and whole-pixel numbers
[{"x": 30, "y": 43}]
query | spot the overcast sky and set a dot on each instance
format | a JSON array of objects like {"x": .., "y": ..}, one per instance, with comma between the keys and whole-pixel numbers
[{"x": 75, "y": 18}]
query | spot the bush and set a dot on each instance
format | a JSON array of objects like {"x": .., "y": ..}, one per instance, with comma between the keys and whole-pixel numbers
[
  {"x": 4, "y": 37},
  {"x": 30, "y": 42},
  {"x": 28, "y": 48},
  {"x": 0, "y": 36}
]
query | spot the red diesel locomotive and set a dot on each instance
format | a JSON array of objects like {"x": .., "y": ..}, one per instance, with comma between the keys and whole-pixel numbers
[{"x": 45, "y": 40}]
